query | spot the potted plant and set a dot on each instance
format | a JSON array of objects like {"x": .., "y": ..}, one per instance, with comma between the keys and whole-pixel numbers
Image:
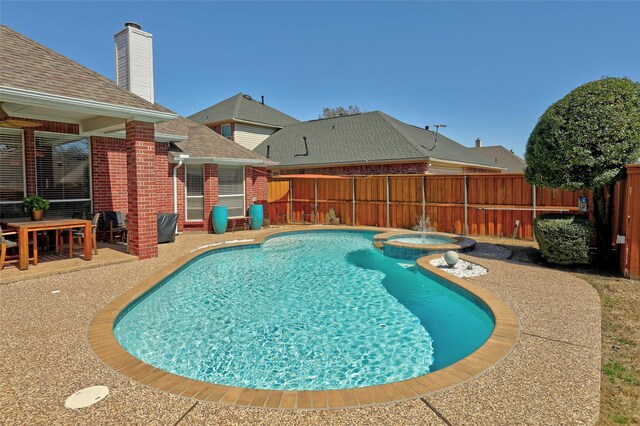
[
  {"x": 331, "y": 218},
  {"x": 36, "y": 206}
]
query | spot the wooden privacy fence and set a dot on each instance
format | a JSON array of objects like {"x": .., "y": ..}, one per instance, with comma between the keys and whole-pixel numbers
[{"x": 474, "y": 204}]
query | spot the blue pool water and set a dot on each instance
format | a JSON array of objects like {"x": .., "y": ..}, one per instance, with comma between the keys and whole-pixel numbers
[{"x": 306, "y": 311}]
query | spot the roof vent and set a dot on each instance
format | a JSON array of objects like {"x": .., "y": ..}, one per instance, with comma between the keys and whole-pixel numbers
[
  {"x": 478, "y": 142},
  {"x": 247, "y": 97},
  {"x": 133, "y": 25}
]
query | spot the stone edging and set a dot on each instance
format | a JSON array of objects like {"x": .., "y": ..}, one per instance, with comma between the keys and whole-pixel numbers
[{"x": 104, "y": 344}]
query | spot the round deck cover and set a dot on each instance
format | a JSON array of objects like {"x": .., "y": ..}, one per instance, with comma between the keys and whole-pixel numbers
[{"x": 86, "y": 397}]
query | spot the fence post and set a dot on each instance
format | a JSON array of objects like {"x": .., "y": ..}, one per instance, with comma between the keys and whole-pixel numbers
[
  {"x": 290, "y": 200},
  {"x": 315, "y": 202},
  {"x": 424, "y": 204},
  {"x": 466, "y": 207},
  {"x": 533, "y": 188},
  {"x": 388, "y": 208},
  {"x": 353, "y": 200}
]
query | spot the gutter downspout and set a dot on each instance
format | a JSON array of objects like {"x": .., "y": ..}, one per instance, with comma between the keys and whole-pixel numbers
[{"x": 175, "y": 190}]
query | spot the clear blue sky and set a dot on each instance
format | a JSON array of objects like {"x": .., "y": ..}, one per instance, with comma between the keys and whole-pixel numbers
[{"x": 486, "y": 69}]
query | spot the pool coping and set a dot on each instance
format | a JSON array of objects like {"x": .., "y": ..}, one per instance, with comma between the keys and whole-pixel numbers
[{"x": 106, "y": 347}]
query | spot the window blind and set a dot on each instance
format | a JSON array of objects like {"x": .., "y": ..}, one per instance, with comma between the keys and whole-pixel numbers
[
  {"x": 195, "y": 192},
  {"x": 63, "y": 172},
  {"x": 11, "y": 166},
  {"x": 231, "y": 189}
]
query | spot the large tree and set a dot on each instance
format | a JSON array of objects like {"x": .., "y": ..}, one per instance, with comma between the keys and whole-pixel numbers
[
  {"x": 328, "y": 112},
  {"x": 583, "y": 141}
]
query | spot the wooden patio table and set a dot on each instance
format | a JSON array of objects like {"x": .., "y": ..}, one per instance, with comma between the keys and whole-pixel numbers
[{"x": 24, "y": 225}]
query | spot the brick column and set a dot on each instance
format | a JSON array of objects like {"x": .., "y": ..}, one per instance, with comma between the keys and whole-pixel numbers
[
  {"x": 30, "y": 160},
  {"x": 141, "y": 184}
]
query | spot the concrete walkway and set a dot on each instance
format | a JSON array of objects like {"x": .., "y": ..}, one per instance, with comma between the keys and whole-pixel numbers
[{"x": 551, "y": 377}]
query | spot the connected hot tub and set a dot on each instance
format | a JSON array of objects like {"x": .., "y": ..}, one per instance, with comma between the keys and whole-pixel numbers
[{"x": 413, "y": 245}]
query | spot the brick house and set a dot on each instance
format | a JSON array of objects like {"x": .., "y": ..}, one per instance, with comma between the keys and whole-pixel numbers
[
  {"x": 369, "y": 143},
  {"x": 243, "y": 119},
  {"x": 80, "y": 140}
]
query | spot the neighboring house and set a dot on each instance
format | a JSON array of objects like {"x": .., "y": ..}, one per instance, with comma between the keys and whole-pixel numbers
[
  {"x": 243, "y": 120},
  {"x": 502, "y": 157},
  {"x": 368, "y": 143},
  {"x": 95, "y": 146}
]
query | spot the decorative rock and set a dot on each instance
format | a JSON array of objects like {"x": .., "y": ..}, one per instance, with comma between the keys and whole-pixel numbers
[{"x": 451, "y": 257}]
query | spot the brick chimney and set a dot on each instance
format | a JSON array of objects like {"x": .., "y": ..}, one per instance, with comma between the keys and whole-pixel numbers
[
  {"x": 478, "y": 142},
  {"x": 134, "y": 60}
]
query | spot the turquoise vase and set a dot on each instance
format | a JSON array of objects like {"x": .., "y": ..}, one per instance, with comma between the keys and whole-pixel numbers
[
  {"x": 257, "y": 214},
  {"x": 219, "y": 217}
]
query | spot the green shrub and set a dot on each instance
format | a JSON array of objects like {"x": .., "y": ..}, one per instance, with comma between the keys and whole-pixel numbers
[{"x": 563, "y": 239}]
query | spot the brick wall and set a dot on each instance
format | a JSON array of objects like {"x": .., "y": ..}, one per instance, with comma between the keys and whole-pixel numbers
[
  {"x": 164, "y": 179},
  {"x": 109, "y": 167},
  {"x": 255, "y": 185},
  {"x": 141, "y": 181}
]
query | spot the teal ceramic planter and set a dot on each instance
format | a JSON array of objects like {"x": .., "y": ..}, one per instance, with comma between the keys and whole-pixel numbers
[
  {"x": 256, "y": 213},
  {"x": 219, "y": 217}
]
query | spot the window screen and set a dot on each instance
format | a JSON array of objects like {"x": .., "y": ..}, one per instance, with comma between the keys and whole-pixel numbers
[
  {"x": 195, "y": 192},
  {"x": 11, "y": 172},
  {"x": 63, "y": 173},
  {"x": 231, "y": 189}
]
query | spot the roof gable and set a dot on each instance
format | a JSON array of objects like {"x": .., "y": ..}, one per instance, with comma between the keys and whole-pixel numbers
[
  {"x": 366, "y": 137},
  {"x": 203, "y": 142},
  {"x": 502, "y": 157},
  {"x": 28, "y": 65},
  {"x": 242, "y": 107}
]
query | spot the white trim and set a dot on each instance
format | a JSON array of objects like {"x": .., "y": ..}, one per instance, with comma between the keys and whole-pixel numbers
[
  {"x": 30, "y": 97},
  {"x": 24, "y": 164},
  {"x": 70, "y": 200},
  {"x": 226, "y": 161},
  {"x": 159, "y": 137},
  {"x": 466, "y": 164}
]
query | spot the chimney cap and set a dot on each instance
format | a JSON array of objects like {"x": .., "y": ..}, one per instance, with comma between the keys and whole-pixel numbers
[{"x": 133, "y": 25}]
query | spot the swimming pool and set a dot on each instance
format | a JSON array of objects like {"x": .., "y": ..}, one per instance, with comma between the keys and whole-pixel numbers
[{"x": 306, "y": 311}]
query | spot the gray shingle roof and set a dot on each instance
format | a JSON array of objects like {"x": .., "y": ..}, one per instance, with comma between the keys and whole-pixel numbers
[
  {"x": 502, "y": 157},
  {"x": 25, "y": 64},
  {"x": 242, "y": 107},
  {"x": 203, "y": 142},
  {"x": 367, "y": 137}
]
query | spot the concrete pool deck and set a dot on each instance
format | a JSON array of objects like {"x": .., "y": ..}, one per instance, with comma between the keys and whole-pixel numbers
[{"x": 551, "y": 376}]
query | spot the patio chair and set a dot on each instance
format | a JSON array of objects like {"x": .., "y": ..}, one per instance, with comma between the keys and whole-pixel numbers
[
  {"x": 5, "y": 244},
  {"x": 113, "y": 224},
  {"x": 78, "y": 234},
  {"x": 281, "y": 211},
  {"x": 309, "y": 210}
]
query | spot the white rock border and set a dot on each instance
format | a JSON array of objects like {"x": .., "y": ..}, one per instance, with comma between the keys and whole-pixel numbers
[{"x": 460, "y": 269}]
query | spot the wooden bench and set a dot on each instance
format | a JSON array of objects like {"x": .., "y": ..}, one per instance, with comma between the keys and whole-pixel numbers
[{"x": 243, "y": 221}]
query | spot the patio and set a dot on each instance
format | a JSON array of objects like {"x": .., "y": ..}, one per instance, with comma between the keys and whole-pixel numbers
[{"x": 551, "y": 376}]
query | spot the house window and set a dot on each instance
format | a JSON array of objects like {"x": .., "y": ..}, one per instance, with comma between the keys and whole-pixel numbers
[
  {"x": 225, "y": 130},
  {"x": 63, "y": 173},
  {"x": 12, "y": 181},
  {"x": 231, "y": 189},
  {"x": 195, "y": 192}
]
